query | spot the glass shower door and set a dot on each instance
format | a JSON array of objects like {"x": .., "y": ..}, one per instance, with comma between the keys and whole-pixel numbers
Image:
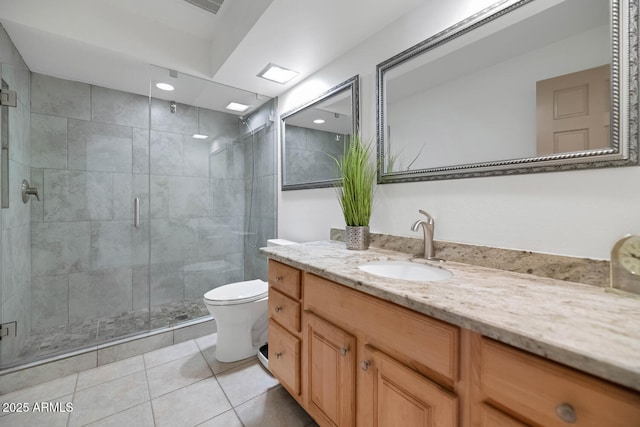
[
  {"x": 15, "y": 266},
  {"x": 85, "y": 275},
  {"x": 88, "y": 259},
  {"x": 207, "y": 173}
]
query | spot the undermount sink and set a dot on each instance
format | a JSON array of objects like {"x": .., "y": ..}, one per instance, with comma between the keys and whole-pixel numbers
[{"x": 405, "y": 270}]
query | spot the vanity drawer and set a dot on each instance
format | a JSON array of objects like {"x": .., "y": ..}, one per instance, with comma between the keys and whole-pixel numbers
[
  {"x": 284, "y": 357},
  {"x": 427, "y": 344},
  {"x": 284, "y": 310},
  {"x": 285, "y": 279},
  {"x": 545, "y": 392},
  {"x": 490, "y": 417}
]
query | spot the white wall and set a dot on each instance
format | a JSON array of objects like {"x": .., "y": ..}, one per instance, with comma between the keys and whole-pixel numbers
[
  {"x": 577, "y": 213},
  {"x": 464, "y": 100}
]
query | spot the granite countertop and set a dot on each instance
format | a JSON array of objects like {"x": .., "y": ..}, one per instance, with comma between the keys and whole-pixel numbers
[{"x": 591, "y": 329}]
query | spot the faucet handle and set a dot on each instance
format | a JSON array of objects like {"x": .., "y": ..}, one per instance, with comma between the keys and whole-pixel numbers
[{"x": 429, "y": 217}]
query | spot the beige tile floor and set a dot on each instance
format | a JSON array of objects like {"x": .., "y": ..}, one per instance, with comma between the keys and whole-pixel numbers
[{"x": 181, "y": 385}]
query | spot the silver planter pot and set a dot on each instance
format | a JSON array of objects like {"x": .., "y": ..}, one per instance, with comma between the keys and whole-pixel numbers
[{"x": 356, "y": 238}]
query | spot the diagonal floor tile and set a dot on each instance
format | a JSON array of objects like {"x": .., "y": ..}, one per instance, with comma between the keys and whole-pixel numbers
[
  {"x": 37, "y": 418},
  {"x": 109, "y": 372},
  {"x": 176, "y": 374},
  {"x": 171, "y": 353},
  {"x": 109, "y": 398},
  {"x": 226, "y": 419},
  {"x": 138, "y": 416},
  {"x": 190, "y": 405},
  {"x": 274, "y": 408},
  {"x": 46, "y": 391},
  {"x": 246, "y": 382}
]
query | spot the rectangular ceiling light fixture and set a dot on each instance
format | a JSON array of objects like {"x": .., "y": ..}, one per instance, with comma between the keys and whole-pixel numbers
[
  {"x": 277, "y": 74},
  {"x": 236, "y": 106}
]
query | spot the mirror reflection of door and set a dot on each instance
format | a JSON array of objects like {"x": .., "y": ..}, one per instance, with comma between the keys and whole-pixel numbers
[{"x": 573, "y": 111}]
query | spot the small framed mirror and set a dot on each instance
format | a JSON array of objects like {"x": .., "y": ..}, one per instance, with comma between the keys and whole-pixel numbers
[
  {"x": 522, "y": 86},
  {"x": 314, "y": 135}
]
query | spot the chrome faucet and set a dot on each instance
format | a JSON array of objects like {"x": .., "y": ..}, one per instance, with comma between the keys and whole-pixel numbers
[{"x": 427, "y": 227}]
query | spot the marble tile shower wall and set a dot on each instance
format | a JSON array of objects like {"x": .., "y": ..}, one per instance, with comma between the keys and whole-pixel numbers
[
  {"x": 93, "y": 151},
  {"x": 15, "y": 266}
]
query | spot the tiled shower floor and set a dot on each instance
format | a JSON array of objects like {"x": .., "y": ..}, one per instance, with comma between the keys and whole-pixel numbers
[{"x": 63, "y": 339}]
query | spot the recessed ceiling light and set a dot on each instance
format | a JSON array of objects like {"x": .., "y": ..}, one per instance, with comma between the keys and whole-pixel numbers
[
  {"x": 318, "y": 121},
  {"x": 236, "y": 106},
  {"x": 164, "y": 86},
  {"x": 277, "y": 74},
  {"x": 199, "y": 136}
]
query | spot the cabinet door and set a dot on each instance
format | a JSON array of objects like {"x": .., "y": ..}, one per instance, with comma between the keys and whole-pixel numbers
[
  {"x": 331, "y": 373},
  {"x": 284, "y": 357},
  {"x": 402, "y": 397}
]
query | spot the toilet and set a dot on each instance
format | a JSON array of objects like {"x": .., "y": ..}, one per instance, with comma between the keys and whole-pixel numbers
[{"x": 240, "y": 311}]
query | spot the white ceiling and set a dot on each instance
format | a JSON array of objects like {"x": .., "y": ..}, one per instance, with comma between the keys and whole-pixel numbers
[{"x": 111, "y": 43}]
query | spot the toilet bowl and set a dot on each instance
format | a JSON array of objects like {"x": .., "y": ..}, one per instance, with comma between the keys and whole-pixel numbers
[{"x": 240, "y": 312}]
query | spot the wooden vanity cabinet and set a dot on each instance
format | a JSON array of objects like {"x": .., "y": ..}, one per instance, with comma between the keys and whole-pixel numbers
[
  {"x": 373, "y": 363},
  {"x": 285, "y": 345},
  {"x": 351, "y": 359}
]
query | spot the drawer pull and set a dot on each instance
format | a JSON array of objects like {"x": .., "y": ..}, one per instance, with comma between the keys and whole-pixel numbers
[
  {"x": 364, "y": 365},
  {"x": 278, "y": 278},
  {"x": 278, "y": 309},
  {"x": 566, "y": 413},
  {"x": 344, "y": 351},
  {"x": 278, "y": 355}
]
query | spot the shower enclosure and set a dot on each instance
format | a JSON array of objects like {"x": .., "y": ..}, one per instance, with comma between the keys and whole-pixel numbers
[{"x": 136, "y": 217}]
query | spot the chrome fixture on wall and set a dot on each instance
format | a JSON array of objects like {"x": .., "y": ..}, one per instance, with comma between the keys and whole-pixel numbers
[{"x": 28, "y": 191}]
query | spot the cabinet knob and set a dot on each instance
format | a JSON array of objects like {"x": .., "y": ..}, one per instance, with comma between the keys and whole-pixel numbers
[
  {"x": 566, "y": 413},
  {"x": 364, "y": 365},
  {"x": 344, "y": 351},
  {"x": 278, "y": 355},
  {"x": 278, "y": 278},
  {"x": 278, "y": 309}
]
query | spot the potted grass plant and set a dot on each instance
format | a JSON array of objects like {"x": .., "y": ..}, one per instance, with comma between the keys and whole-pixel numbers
[{"x": 357, "y": 173}]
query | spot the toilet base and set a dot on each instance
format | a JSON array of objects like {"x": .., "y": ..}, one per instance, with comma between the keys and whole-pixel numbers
[
  {"x": 263, "y": 356},
  {"x": 234, "y": 344}
]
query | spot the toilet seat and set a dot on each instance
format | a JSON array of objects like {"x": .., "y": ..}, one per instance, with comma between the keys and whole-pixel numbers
[{"x": 237, "y": 293}]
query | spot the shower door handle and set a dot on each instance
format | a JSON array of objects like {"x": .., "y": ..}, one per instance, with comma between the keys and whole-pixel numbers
[{"x": 136, "y": 212}]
